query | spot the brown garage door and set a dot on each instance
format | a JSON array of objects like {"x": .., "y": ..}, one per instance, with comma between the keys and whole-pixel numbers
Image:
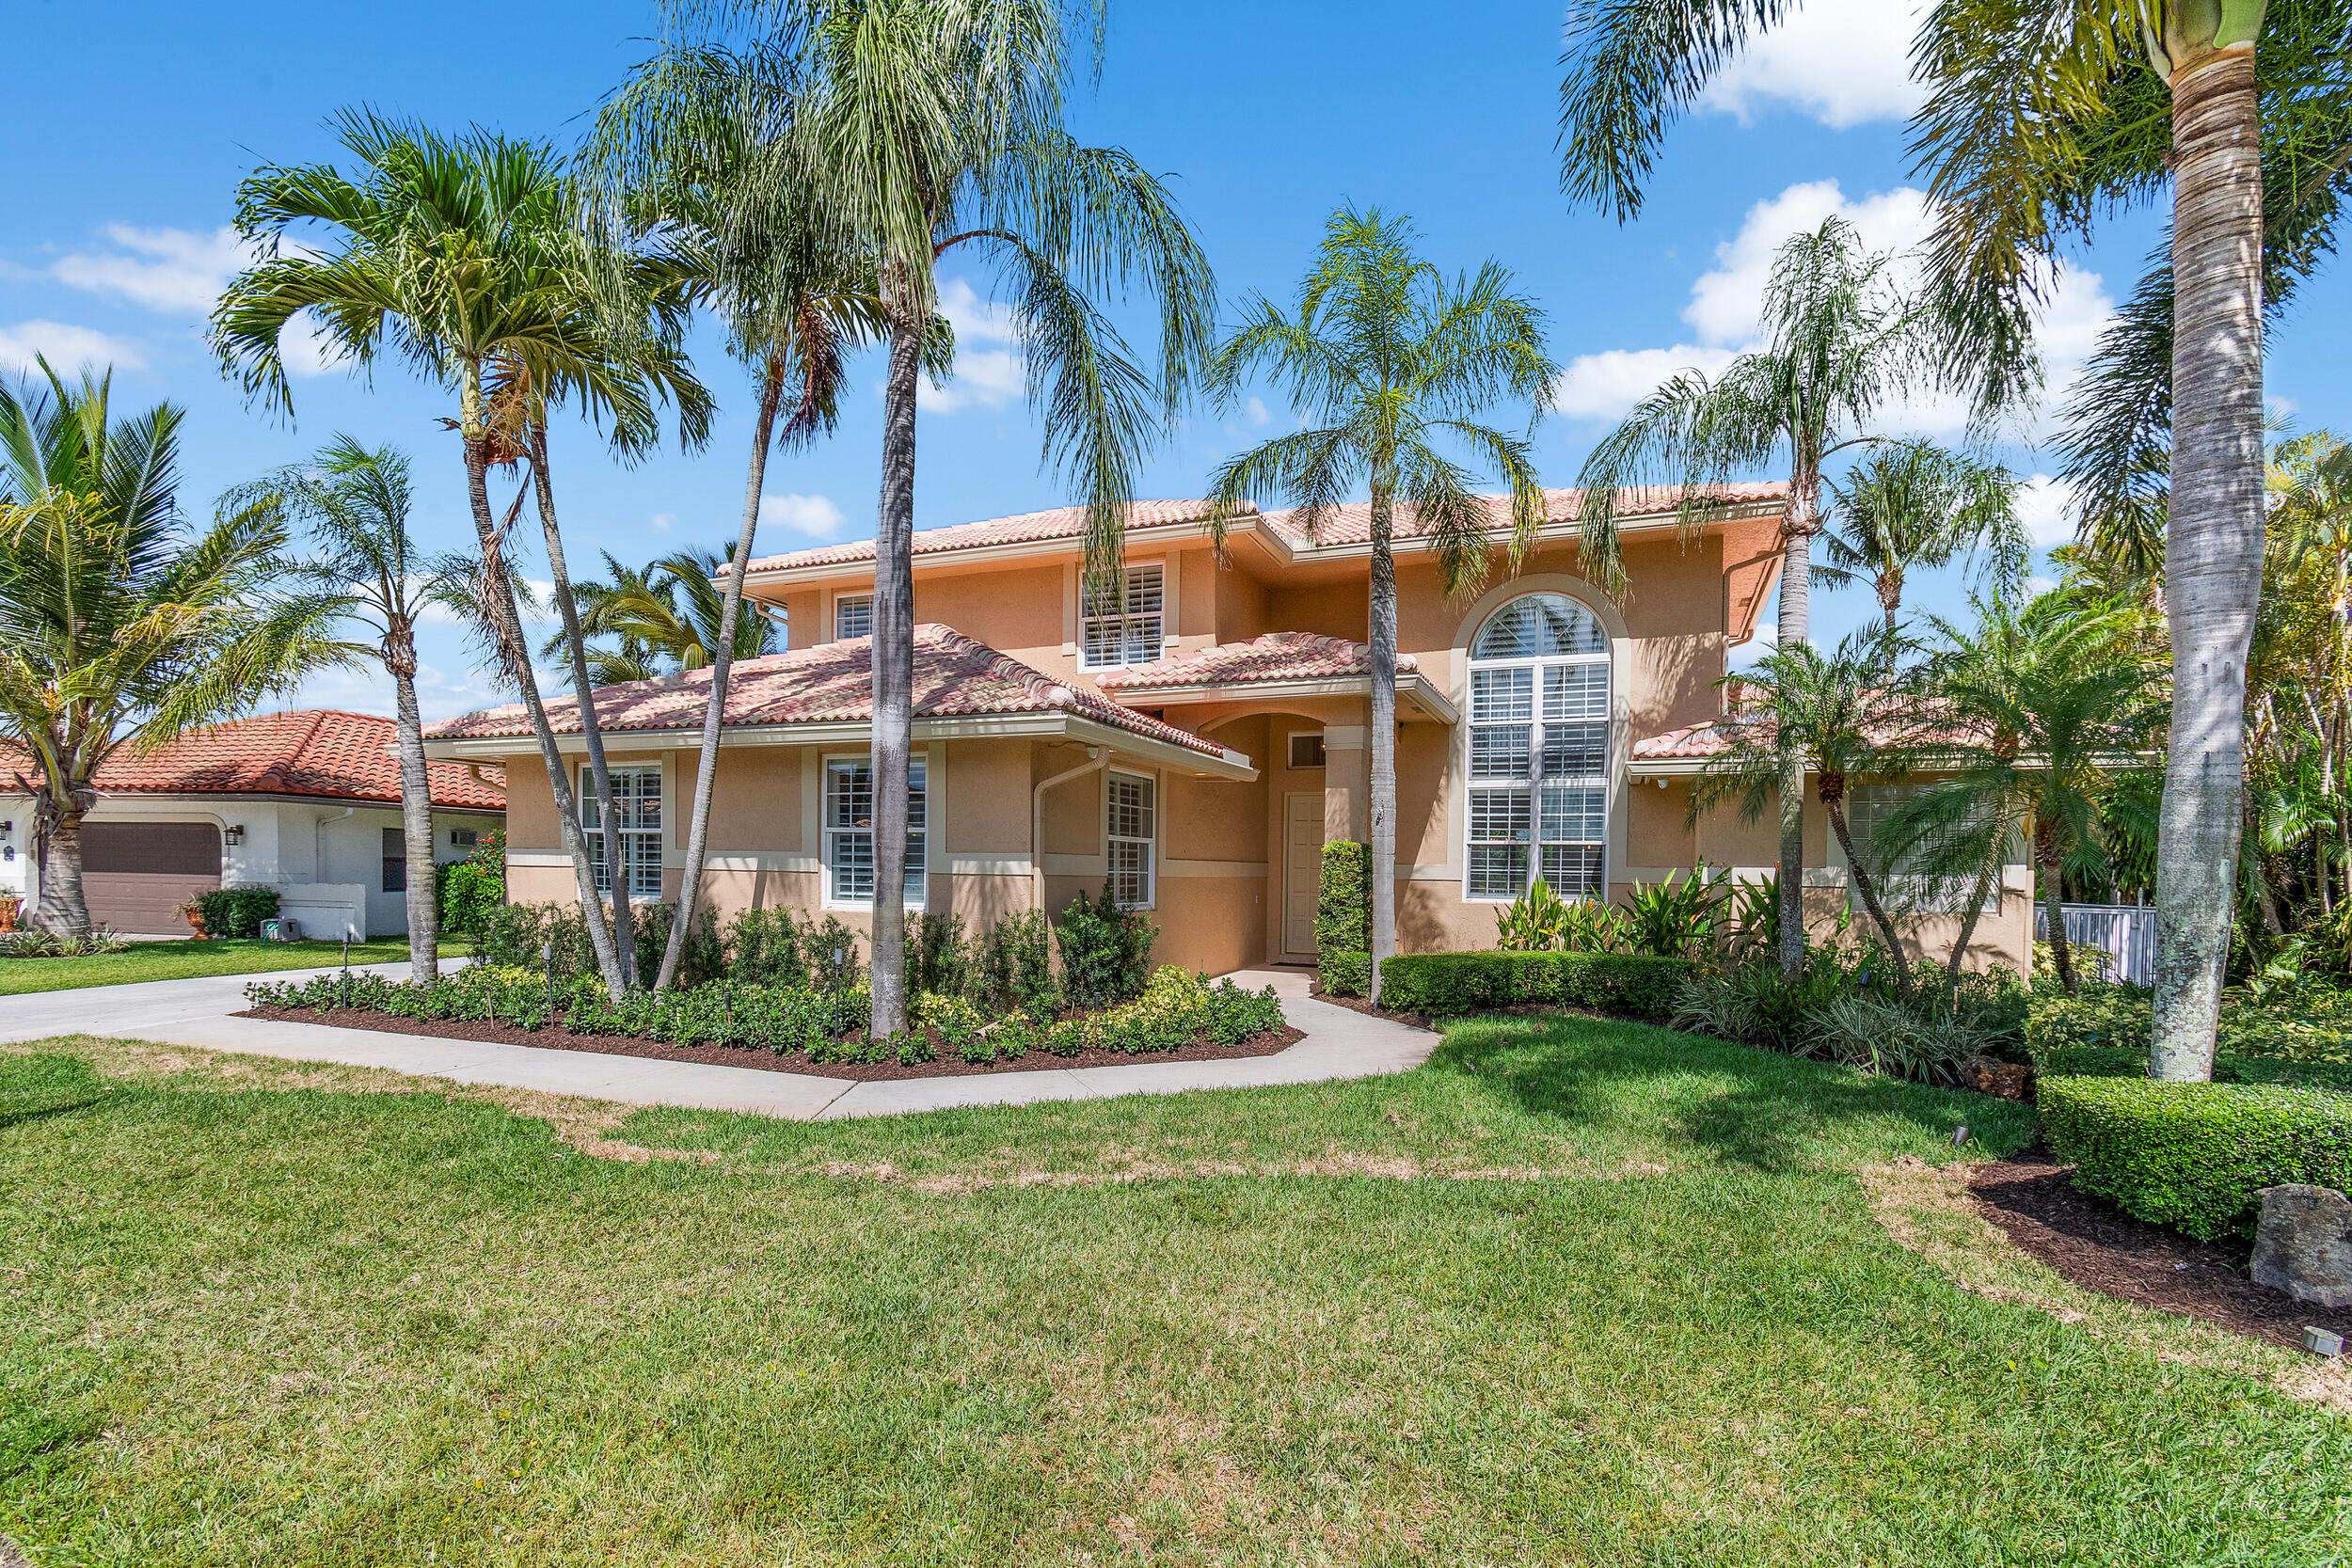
[{"x": 133, "y": 872}]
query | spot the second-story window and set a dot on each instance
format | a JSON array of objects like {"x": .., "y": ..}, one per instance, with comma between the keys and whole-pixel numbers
[
  {"x": 1538, "y": 750},
  {"x": 1127, "y": 632},
  {"x": 853, "y": 616}
]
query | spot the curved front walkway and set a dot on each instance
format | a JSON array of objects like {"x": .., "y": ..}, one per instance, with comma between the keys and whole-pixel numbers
[{"x": 200, "y": 1013}]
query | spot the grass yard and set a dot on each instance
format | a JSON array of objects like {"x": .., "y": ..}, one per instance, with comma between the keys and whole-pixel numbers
[
  {"x": 1575, "y": 1292},
  {"x": 186, "y": 960}
]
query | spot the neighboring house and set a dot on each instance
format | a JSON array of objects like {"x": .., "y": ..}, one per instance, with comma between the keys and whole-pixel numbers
[
  {"x": 307, "y": 803},
  {"x": 1196, "y": 742}
]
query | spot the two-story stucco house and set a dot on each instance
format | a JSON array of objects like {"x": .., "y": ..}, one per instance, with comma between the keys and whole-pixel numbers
[{"x": 1198, "y": 742}]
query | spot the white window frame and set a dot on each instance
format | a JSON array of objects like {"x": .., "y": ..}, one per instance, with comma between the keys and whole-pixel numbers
[
  {"x": 1139, "y": 632},
  {"x": 918, "y": 831},
  {"x": 1148, "y": 841},
  {"x": 1539, "y": 719},
  {"x": 1290, "y": 752},
  {"x": 645, "y": 877},
  {"x": 861, "y": 602}
]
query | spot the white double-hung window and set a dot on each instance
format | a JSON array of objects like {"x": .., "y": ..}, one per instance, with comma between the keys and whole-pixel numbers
[
  {"x": 1538, "y": 750},
  {"x": 637, "y": 805},
  {"x": 853, "y": 616},
  {"x": 1126, "y": 631},
  {"x": 1128, "y": 831},
  {"x": 849, "y": 830}
]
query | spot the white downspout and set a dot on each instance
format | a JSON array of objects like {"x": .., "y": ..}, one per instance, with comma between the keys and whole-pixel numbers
[
  {"x": 318, "y": 843},
  {"x": 1037, "y": 821}
]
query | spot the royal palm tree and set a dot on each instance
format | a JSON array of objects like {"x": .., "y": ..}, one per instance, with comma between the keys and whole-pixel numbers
[
  {"x": 1391, "y": 361},
  {"x": 1916, "y": 506},
  {"x": 925, "y": 131},
  {"x": 119, "y": 626},
  {"x": 1843, "y": 344},
  {"x": 355, "y": 502},
  {"x": 462, "y": 256},
  {"x": 1846, "y": 716}
]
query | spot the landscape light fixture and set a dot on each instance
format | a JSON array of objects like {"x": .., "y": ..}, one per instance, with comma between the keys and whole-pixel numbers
[
  {"x": 2319, "y": 1341},
  {"x": 1959, "y": 1135}
]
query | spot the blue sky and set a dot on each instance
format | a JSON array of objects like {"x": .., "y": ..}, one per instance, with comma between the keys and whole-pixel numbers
[{"x": 1264, "y": 117}]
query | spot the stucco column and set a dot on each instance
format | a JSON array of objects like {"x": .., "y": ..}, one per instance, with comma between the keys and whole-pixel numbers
[{"x": 1346, "y": 783}]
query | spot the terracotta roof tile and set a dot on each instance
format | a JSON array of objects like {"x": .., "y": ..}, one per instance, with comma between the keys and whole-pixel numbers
[
  {"x": 1062, "y": 522},
  {"x": 1351, "y": 523},
  {"x": 321, "y": 752},
  {"x": 833, "y": 683},
  {"x": 1279, "y": 655}
]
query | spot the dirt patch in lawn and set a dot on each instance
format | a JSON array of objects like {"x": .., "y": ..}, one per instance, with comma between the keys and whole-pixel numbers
[
  {"x": 2089, "y": 1240},
  {"x": 947, "y": 1065}
]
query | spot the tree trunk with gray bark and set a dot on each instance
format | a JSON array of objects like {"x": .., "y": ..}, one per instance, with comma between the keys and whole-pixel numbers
[
  {"x": 1793, "y": 627},
  {"x": 416, "y": 811},
  {"x": 1382, "y": 804},
  {"x": 894, "y": 673}
]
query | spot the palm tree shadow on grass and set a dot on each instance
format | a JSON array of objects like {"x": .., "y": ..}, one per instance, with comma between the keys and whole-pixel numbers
[
  {"x": 1751, "y": 1107},
  {"x": 43, "y": 1112}
]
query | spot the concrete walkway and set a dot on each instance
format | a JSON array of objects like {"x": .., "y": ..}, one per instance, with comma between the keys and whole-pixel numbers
[{"x": 1339, "y": 1044}]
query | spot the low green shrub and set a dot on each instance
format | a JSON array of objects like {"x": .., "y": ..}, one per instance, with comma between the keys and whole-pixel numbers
[
  {"x": 1882, "y": 1034},
  {"x": 1344, "y": 973},
  {"x": 1343, "y": 899},
  {"x": 1446, "y": 983},
  {"x": 2194, "y": 1155},
  {"x": 1105, "y": 950},
  {"x": 1176, "y": 1008},
  {"x": 941, "y": 958},
  {"x": 237, "y": 912},
  {"x": 2104, "y": 1032},
  {"x": 1017, "y": 964}
]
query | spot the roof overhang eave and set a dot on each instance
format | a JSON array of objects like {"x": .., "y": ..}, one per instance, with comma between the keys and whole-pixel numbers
[{"x": 1410, "y": 688}]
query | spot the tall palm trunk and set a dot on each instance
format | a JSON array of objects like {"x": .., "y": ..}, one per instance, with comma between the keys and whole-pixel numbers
[
  {"x": 1834, "y": 802},
  {"x": 1383, "y": 783},
  {"x": 1793, "y": 627},
  {"x": 1988, "y": 881},
  {"x": 599, "y": 776},
  {"x": 721, "y": 660},
  {"x": 2214, "y": 543},
  {"x": 62, "y": 909},
  {"x": 415, "y": 809},
  {"x": 894, "y": 672},
  {"x": 506, "y": 625},
  {"x": 2047, "y": 872}
]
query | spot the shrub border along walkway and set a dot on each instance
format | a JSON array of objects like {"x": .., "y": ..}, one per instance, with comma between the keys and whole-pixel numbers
[{"x": 1338, "y": 1043}]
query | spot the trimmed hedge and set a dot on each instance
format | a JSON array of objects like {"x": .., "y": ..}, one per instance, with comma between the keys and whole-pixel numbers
[
  {"x": 1440, "y": 984},
  {"x": 2103, "y": 1033},
  {"x": 237, "y": 912},
  {"x": 1346, "y": 974},
  {"x": 1343, "y": 900},
  {"x": 2194, "y": 1155}
]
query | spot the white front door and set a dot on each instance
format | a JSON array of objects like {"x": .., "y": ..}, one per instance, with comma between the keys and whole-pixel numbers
[{"x": 1302, "y": 872}]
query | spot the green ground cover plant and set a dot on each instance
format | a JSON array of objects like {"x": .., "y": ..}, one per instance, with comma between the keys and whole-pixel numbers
[
  {"x": 188, "y": 960},
  {"x": 1576, "y": 1292}
]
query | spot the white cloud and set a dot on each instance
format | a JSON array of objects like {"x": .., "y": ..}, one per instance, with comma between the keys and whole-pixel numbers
[
  {"x": 989, "y": 369},
  {"x": 1842, "y": 62},
  {"x": 2045, "y": 506},
  {"x": 306, "y": 349},
  {"x": 1256, "y": 411},
  {"x": 68, "y": 348},
  {"x": 1726, "y": 304},
  {"x": 171, "y": 270},
  {"x": 815, "y": 517},
  {"x": 663, "y": 522}
]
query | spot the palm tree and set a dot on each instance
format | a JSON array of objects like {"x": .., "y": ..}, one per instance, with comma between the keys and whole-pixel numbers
[
  {"x": 658, "y": 635},
  {"x": 922, "y": 130},
  {"x": 1391, "y": 361},
  {"x": 2040, "y": 713},
  {"x": 1844, "y": 343},
  {"x": 462, "y": 255},
  {"x": 1843, "y": 716},
  {"x": 355, "y": 501},
  {"x": 2310, "y": 479},
  {"x": 119, "y": 626},
  {"x": 1917, "y": 506}
]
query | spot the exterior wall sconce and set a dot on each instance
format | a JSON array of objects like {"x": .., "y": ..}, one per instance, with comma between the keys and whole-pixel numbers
[{"x": 234, "y": 833}]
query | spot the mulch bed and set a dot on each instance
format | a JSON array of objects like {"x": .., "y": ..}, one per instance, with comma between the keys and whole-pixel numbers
[
  {"x": 948, "y": 1065},
  {"x": 2098, "y": 1247},
  {"x": 1357, "y": 1005}
]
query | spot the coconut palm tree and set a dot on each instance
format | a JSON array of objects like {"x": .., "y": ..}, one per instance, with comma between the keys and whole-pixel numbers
[
  {"x": 1916, "y": 506},
  {"x": 925, "y": 131},
  {"x": 1846, "y": 716},
  {"x": 1390, "y": 361},
  {"x": 1843, "y": 344},
  {"x": 355, "y": 502},
  {"x": 119, "y": 626},
  {"x": 462, "y": 256}
]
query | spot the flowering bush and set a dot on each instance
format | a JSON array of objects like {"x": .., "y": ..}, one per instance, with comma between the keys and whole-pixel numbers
[{"x": 1176, "y": 1006}]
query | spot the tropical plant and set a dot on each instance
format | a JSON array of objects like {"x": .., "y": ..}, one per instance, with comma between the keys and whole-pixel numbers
[
  {"x": 1390, "y": 363},
  {"x": 119, "y": 626},
  {"x": 1678, "y": 917},
  {"x": 1535, "y": 921},
  {"x": 463, "y": 256},
  {"x": 354, "y": 501},
  {"x": 1843, "y": 344},
  {"x": 2308, "y": 688},
  {"x": 928, "y": 130},
  {"x": 1844, "y": 716},
  {"x": 664, "y": 618},
  {"x": 1915, "y": 506}
]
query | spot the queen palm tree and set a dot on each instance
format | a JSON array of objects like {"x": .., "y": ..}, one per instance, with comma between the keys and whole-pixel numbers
[
  {"x": 1916, "y": 506},
  {"x": 1391, "y": 361},
  {"x": 119, "y": 626},
  {"x": 929, "y": 129},
  {"x": 1846, "y": 716},
  {"x": 356, "y": 502},
  {"x": 1843, "y": 344},
  {"x": 463, "y": 257}
]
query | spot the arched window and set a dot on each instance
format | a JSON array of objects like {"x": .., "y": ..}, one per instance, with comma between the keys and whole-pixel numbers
[{"x": 1538, "y": 750}]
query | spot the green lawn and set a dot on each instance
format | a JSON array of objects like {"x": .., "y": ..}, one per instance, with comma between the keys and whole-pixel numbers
[
  {"x": 1576, "y": 1292},
  {"x": 183, "y": 960}
]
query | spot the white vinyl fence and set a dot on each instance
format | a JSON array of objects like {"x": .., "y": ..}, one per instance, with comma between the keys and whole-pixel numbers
[{"x": 2125, "y": 932}]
